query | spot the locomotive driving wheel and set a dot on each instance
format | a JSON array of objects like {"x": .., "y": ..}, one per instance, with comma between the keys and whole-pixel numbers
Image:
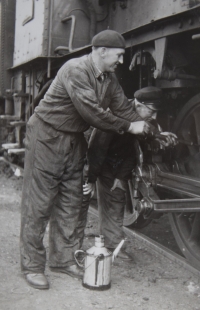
[{"x": 186, "y": 226}]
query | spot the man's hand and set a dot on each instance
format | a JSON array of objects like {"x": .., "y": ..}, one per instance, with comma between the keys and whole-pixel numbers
[
  {"x": 139, "y": 128},
  {"x": 89, "y": 188},
  {"x": 170, "y": 139}
]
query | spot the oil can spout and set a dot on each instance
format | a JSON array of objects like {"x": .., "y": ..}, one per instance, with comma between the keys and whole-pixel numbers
[{"x": 116, "y": 251}]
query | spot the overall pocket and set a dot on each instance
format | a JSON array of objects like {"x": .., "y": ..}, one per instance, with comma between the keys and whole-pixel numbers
[{"x": 50, "y": 154}]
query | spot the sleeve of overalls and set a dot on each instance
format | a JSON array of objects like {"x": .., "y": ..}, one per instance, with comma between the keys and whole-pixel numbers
[
  {"x": 120, "y": 105},
  {"x": 85, "y": 100}
]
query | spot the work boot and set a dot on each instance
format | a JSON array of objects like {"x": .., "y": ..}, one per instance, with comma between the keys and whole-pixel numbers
[
  {"x": 73, "y": 271},
  {"x": 37, "y": 280}
]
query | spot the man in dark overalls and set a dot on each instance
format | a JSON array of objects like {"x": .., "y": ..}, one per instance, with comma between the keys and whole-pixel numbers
[
  {"x": 111, "y": 160},
  {"x": 78, "y": 97}
]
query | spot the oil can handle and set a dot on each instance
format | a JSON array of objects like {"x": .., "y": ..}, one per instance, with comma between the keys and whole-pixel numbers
[{"x": 78, "y": 263}]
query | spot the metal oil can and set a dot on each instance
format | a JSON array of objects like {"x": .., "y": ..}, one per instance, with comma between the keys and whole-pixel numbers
[{"x": 97, "y": 266}]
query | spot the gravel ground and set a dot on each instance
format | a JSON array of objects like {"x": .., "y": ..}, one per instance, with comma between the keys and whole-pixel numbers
[{"x": 150, "y": 282}]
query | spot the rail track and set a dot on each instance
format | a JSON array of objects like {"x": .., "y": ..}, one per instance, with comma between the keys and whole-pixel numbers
[{"x": 156, "y": 247}]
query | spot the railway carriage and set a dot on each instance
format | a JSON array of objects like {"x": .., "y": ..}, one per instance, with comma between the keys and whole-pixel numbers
[{"x": 163, "y": 50}]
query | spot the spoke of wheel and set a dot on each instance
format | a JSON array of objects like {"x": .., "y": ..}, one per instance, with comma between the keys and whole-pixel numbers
[
  {"x": 196, "y": 115},
  {"x": 184, "y": 225},
  {"x": 186, "y": 134},
  {"x": 195, "y": 232}
]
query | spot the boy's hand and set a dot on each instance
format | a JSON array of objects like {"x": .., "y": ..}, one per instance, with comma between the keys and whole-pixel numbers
[{"x": 89, "y": 188}]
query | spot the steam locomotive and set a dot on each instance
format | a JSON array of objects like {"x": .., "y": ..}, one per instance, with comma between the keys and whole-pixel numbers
[{"x": 163, "y": 50}]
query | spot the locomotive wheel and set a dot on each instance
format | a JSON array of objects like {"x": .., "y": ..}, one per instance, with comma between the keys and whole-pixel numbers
[
  {"x": 131, "y": 217},
  {"x": 186, "y": 226}
]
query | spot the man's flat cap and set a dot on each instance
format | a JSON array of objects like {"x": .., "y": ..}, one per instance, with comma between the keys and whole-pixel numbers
[
  {"x": 109, "y": 38},
  {"x": 150, "y": 96}
]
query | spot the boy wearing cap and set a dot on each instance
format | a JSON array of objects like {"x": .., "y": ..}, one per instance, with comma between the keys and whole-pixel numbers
[
  {"x": 55, "y": 151},
  {"x": 111, "y": 160}
]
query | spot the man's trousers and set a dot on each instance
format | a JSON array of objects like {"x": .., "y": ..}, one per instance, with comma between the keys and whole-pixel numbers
[
  {"x": 52, "y": 190},
  {"x": 111, "y": 210}
]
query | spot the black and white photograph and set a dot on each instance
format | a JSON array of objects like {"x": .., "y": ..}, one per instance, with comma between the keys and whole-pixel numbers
[{"x": 100, "y": 154}]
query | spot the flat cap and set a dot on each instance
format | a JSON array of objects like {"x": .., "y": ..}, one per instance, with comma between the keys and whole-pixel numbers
[
  {"x": 109, "y": 38},
  {"x": 150, "y": 96}
]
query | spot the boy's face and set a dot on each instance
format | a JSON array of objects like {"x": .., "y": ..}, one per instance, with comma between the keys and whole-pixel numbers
[{"x": 144, "y": 111}]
